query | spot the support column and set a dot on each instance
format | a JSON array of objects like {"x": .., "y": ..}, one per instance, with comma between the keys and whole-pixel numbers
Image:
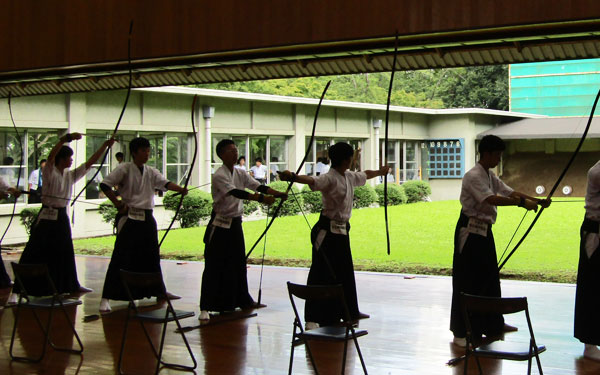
[
  {"x": 76, "y": 117},
  {"x": 208, "y": 113},
  {"x": 376, "y": 127}
]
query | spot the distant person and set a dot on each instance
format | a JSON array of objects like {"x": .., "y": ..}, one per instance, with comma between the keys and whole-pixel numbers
[
  {"x": 587, "y": 322},
  {"x": 136, "y": 246},
  {"x": 50, "y": 242},
  {"x": 259, "y": 171},
  {"x": 5, "y": 190},
  {"x": 331, "y": 253},
  {"x": 92, "y": 191},
  {"x": 319, "y": 166},
  {"x": 274, "y": 168},
  {"x": 224, "y": 281},
  {"x": 120, "y": 157},
  {"x": 36, "y": 180},
  {"x": 241, "y": 163},
  {"x": 325, "y": 167},
  {"x": 475, "y": 264},
  {"x": 8, "y": 173}
]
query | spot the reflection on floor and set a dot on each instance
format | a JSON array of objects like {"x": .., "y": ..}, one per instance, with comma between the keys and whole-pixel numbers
[{"x": 408, "y": 329}]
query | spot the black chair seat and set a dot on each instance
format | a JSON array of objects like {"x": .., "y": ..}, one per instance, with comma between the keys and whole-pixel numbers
[
  {"x": 510, "y": 350},
  {"x": 507, "y": 350},
  {"x": 153, "y": 281},
  {"x": 331, "y": 333},
  {"x": 46, "y": 302},
  {"x": 158, "y": 316},
  {"x": 34, "y": 277},
  {"x": 343, "y": 332}
]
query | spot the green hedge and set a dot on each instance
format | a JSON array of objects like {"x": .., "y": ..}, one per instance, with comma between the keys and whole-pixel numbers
[
  {"x": 27, "y": 216},
  {"x": 364, "y": 196},
  {"x": 197, "y": 205},
  {"x": 313, "y": 200},
  {"x": 290, "y": 206},
  {"x": 416, "y": 191},
  {"x": 250, "y": 207},
  {"x": 109, "y": 212},
  {"x": 396, "y": 194}
]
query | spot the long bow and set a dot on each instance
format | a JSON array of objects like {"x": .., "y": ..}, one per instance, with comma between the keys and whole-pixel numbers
[
  {"x": 120, "y": 116},
  {"x": 12, "y": 215},
  {"x": 564, "y": 172},
  {"x": 308, "y": 149},
  {"x": 187, "y": 179},
  {"x": 385, "y": 144}
]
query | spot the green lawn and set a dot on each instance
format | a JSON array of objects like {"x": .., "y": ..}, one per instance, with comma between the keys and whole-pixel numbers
[{"x": 421, "y": 238}]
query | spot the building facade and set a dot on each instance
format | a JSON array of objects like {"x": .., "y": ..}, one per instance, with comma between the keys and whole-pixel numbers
[{"x": 433, "y": 145}]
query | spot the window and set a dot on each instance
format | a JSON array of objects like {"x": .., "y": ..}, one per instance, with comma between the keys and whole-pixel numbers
[
  {"x": 10, "y": 170},
  {"x": 320, "y": 152},
  {"x": 92, "y": 143},
  {"x": 273, "y": 152},
  {"x": 402, "y": 159},
  {"x": 175, "y": 161},
  {"x": 156, "y": 150},
  {"x": 178, "y": 157},
  {"x": 278, "y": 156},
  {"x": 445, "y": 158}
]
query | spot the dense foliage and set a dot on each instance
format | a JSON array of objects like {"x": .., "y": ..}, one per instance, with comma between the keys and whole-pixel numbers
[
  {"x": 28, "y": 216},
  {"x": 364, "y": 196},
  {"x": 197, "y": 205},
  {"x": 396, "y": 194},
  {"x": 416, "y": 191},
  {"x": 291, "y": 206},
  {"x": 313, "y": 200},
  {"x": 471, "y": 87}
]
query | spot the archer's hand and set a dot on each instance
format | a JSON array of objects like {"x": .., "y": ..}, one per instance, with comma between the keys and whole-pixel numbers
[
  {"x": 122, "y": 207},
  {"x": 545, "y": 203},
  {"x": 268, "y": 200},
  {"x": 3, "y": 195},
  {"x": 14, "y": 192},
  {"x": 76, "y": 136},
  {"x": 109, "y": 142},
  {"x": 530, "y": 205},
  {"x": 384, "y": 170},
  {"x": 281, "y": 195},
  {"x": 286, "y": 176}
]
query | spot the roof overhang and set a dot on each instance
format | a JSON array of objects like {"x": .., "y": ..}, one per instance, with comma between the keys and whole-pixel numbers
[
  {"x": 467, "y": 48},
  {"x": 545, "y": 128}
]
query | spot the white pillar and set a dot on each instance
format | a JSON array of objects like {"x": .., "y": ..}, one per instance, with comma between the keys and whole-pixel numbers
[
  {"x": 376, "y": 126},
  {"x": 208, "y": 113},
  {"x": 76, "y": 117}
]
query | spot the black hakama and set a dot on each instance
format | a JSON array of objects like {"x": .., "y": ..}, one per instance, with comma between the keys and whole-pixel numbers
[
  {"x": 225, "y": 280},
  {"x": 50, "y": 243},
  {"x": 587, "y": 301},
  {"x": 4, "y": 278},
  {"x": 136, "y": 250},
  {"x": 331, "y": 264},
  {"x": 475, "y": 271}
]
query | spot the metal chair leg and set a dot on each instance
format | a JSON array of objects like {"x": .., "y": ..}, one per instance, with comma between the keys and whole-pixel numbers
[
  {"x": 187, "y": 344},
  {"x": 292, "y": 351},
  {"x": 120, "y": 364},
  {"x": 345, "y": 353},
  {"x": 310, "y": 355}
]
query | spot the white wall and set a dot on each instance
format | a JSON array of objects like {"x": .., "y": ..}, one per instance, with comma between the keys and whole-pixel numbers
[{"x": 236, "y": 114}]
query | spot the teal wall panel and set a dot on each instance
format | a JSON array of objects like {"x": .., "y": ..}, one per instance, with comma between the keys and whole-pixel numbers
[{"x": 556, "y": 88}]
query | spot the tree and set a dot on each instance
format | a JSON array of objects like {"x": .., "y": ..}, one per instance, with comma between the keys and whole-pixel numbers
[{"x": 477, "y": 87}]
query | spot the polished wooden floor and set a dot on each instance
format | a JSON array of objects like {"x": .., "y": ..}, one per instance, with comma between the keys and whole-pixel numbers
[{"x": 408, "y": 329}]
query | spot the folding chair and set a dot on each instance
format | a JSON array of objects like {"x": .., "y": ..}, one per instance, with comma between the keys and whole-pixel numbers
[
  {"x": 343, "y": 332},
  {"x": 134, "y": 280},
  {"x": 36, "y": 277},
  {"x": 499, "y": 349}
]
